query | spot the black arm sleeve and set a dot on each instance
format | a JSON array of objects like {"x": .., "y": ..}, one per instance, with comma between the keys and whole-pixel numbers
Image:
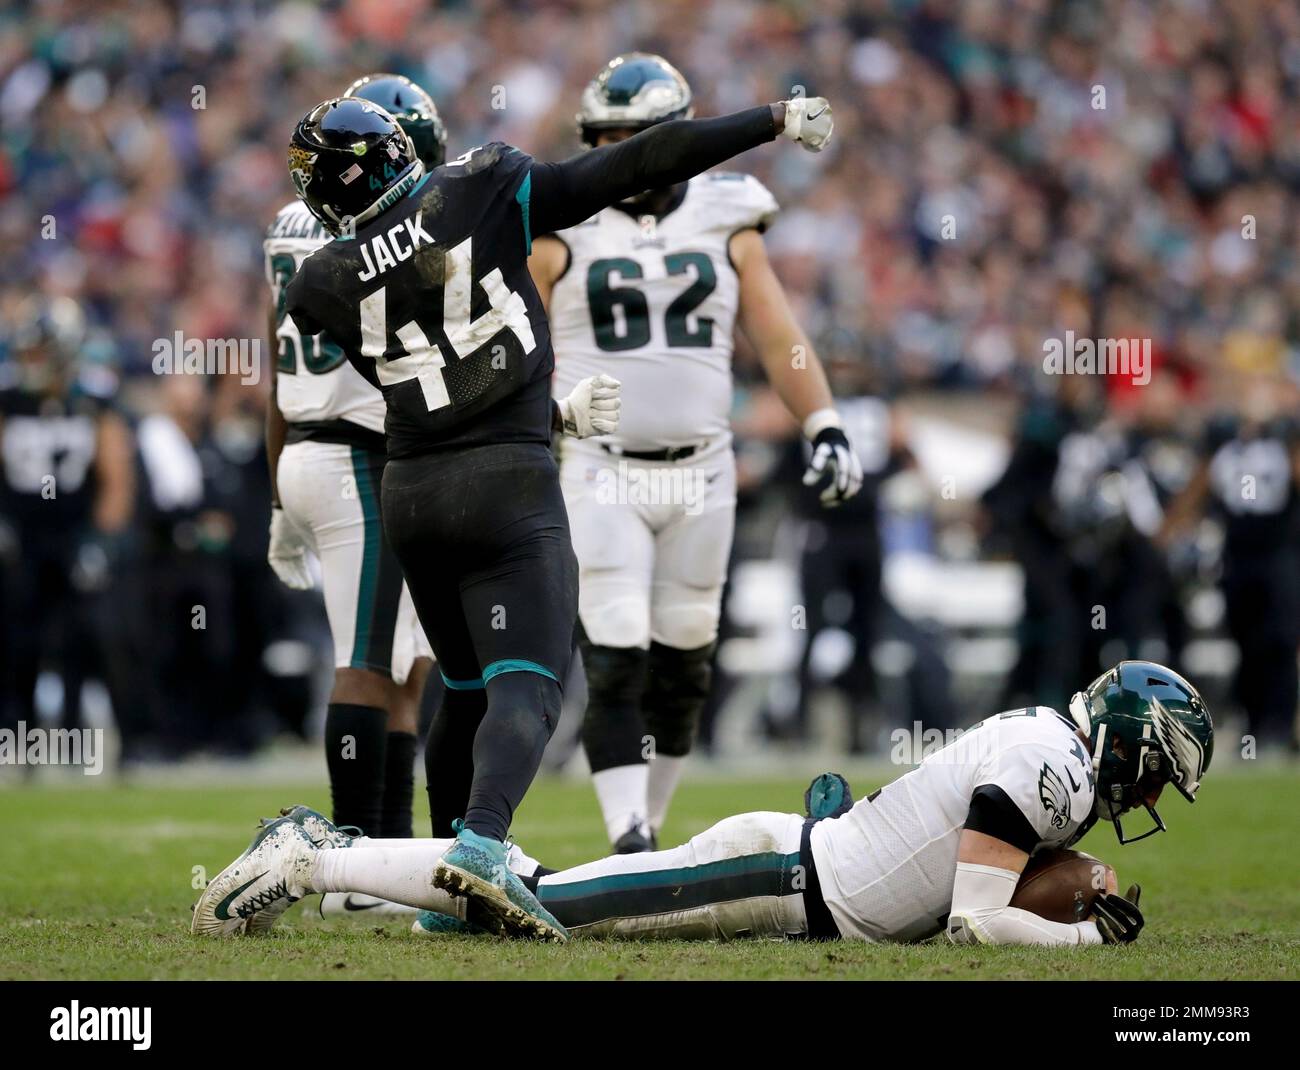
[
  {"x": 994, "y": 814},
  {"x": 564, "y": 194}
]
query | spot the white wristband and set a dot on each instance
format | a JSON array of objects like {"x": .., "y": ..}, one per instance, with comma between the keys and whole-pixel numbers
[
  {"x": 1088, "y": 932},
  {"x": 819, "y": 421}
]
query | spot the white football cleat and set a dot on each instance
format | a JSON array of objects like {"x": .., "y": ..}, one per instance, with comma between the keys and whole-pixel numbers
[
  {"x": 250, "y": 894},
  {"x": 353, "y": 904},
  {"x": 323, "y": 831}
]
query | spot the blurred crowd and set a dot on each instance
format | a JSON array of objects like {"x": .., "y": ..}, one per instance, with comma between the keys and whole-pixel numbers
[{"x": 1004, "y": 171}]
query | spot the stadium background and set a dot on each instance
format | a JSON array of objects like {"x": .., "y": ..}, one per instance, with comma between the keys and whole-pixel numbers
[{"x": 153, "y": 135}]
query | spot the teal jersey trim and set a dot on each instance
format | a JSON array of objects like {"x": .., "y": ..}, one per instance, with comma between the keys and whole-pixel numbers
[
  {"x": 366, "y": 586},
  {"x": 419, "y": 185},
  {"x": 517, "y": 665},
  {"x": 462, "y": 685},
  {"x": 523, "y": 197}
]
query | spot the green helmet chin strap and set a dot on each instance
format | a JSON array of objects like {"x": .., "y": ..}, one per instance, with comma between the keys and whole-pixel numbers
[{"x": 1149, "y": 727}]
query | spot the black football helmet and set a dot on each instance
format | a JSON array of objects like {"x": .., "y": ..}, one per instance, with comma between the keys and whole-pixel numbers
[
  {"x": 1149, "y": 727},
  {"x": 349, "y": 160},
  {"x": 412, "y": 107},
  {"x": 632, "y": 92}
]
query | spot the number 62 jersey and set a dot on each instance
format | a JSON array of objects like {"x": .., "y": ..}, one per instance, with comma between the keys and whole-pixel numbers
[
  {"x": 652, "y": 301},
  {"x": 432, "y": 302}
]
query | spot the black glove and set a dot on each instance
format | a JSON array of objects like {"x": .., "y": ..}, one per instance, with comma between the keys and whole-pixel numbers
[
  {"x": 1117, "y": 916},
  {"x": 831, "y": 453}
]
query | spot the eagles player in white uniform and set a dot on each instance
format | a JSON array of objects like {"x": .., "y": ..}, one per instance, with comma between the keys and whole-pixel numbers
[
  {"x": 325, "y": 443},
  {"x": 939, "y": 849},
  {"x": 652, "y": 290}
]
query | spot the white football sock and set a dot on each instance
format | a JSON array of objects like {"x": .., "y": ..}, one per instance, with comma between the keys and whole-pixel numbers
[
  {"x": 518, "y": 861},
  {"x": 622, "y": 795},
  {"x": 398, "y": 874},
  {"x": 661, "y": 784}
]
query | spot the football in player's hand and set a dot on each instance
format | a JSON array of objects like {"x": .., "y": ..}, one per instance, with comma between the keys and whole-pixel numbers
[{"x": 1060, "y": 885}]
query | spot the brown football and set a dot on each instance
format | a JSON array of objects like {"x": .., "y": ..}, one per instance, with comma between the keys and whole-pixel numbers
[{"x": 1060, "y": 885}]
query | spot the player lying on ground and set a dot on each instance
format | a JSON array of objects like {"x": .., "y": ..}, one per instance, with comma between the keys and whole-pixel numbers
[
  {"x": 427, "y": 292},
  {"x": 941, "y": 847}
]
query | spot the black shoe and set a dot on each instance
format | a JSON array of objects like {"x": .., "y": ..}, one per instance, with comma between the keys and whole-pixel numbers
[{"x": 635, "y": 842}]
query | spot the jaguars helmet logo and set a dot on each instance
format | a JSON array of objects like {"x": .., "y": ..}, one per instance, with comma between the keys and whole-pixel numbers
[
  {"x": 1054, "y": 796},
  {"x": 302, "y": 165}
]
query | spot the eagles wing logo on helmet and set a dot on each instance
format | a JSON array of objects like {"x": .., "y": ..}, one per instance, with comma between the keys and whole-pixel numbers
[
  {"x": 301, "y": 165},
  {"x": 1054, "y": 796},
  {"x": 1180, "y": 747}
]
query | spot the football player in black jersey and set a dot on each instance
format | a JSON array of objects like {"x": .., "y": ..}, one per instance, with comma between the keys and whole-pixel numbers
[
  {"x": 1251, "y": 475},
  {"x": 427, "y": 291},
  {"x": 323, "y": 427},
  {"x": 66, "y": 494}
]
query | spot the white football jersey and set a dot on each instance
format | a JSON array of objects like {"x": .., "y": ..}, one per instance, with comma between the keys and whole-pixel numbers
[
  {"x": 653, "y": 303},
  {"x": 887, "y": 866},
  {"x": 314, "y": 381}
]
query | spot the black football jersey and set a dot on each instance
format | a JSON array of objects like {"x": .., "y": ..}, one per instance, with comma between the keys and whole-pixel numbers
[
  {"x": 1252, "y": 480},
  {"x": 433, "y": 303},
  {"x": 48, "y": 446}
]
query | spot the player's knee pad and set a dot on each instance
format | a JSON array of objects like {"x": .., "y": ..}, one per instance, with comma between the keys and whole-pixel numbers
[
  {"x": 613, "y": 729},
  {"x": 677, "y": 687},
  {"x": 686, "y": 617},
  {"x": 614, "y": 613}
]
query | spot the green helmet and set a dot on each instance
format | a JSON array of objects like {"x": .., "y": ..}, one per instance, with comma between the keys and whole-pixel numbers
[{"x": 1149, "y": 727}]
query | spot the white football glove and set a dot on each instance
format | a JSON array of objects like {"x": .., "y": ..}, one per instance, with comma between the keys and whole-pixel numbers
[
  {"x": 287, "y": 554},
  {"x": 833, "y": 455},
  {"x": 593, "y": 407},
  {"x": 808, "y": 120}
]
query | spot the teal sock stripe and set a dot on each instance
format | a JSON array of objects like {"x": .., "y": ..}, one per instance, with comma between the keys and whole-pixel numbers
[
  {"x": 366, "y": 585},
  {"x": 516, "y": 665},
  {"x": 462, "y": 685}
]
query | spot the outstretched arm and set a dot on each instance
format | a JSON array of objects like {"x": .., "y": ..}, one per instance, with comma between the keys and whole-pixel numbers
[{"x": 564, "y": 194}]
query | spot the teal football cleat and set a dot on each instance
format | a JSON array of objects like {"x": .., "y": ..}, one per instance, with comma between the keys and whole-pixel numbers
[
  {"x": 432, "y": 923},
  {"x": 828, "y": 795},
  {"x": 475, "y": 868},
  {"x": 251, "y": 893}
]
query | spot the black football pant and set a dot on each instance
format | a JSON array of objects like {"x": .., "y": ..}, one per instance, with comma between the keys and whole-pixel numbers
[
  {"x": 483, "y": 540},
  {"x": 1263, "y": 615}
]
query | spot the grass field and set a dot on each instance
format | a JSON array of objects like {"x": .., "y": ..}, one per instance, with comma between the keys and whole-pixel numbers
[{"x": 96, "y": 882}]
